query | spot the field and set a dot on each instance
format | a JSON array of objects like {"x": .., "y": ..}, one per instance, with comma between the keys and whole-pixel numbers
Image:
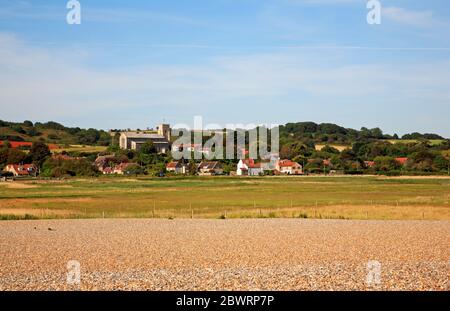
[
  {"x": 381, "y": 198},
  {"x": 433, "y": 142},
  {"x": 232, "y": 254},
  {"x": 80, "y": 148}
]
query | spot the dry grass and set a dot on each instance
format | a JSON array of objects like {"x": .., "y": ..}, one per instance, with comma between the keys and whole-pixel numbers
[{"x": 220, "y": 197}]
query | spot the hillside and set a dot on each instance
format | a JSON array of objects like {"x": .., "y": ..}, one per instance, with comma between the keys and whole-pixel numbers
[{"x": 52, "y": 133}]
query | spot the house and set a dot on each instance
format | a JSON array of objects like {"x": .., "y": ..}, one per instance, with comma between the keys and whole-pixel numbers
[
  {"x": 21, "y": 169},
  {"x": 209, "y": 168},
  {"x": 105, "y": 163},
  {"x": 248, "y": 167},
  {"x": 121, "y": 169},
  {"x": 135, "y": 140},
  {"x": 369, "y": 164},
  {"x": 401, "y": 161},
  {"x": 288, "y": 167},
  {"x": 177, "y": 167}
]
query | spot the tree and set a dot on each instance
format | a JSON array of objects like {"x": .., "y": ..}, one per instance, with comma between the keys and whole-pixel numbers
[
  {"x": 385, "y": 164},
  {"x": 148, "y": 148},
  {"x": 16, "y": 156},
  {"x": 28, "y": 123},
  {"x": 39, "y": 152}
]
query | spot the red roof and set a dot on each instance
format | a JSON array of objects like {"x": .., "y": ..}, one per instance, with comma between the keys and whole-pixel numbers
[
  {"x": 401, "y": 161},
  {"x": 172, "y": 165},
  {"x": 287, "y": 163},
  {"x": 369, "y": 163},
  {"x": 22, "y": 169}
]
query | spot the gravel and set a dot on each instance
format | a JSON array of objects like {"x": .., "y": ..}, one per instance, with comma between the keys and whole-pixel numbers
[{"x": 244, "y": 254}]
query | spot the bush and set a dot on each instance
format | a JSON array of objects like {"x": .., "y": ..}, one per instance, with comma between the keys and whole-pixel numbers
[{"x": 65, "y": 168}]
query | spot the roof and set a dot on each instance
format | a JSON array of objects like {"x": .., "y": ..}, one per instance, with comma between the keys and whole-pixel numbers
[
  {"x": 402, "y": 161},
  {"x": 22, "y": 169},
  {"x": 287, "y": 163},
  {"x": 122, "y": 166},
  {"x": 208, "y": 165},
  {"x": 172, "y": 165},
  {"x": 369, "y": 163},
  {"x": 142, "y": 135}
]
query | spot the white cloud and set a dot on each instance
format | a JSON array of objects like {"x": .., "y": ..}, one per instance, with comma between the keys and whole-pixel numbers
[{"x": 43, "y": 84}]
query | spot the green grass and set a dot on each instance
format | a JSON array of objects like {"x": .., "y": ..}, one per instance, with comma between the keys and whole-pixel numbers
[
  {"x": 215, "y": 197},
  {"x": 433, "y": 142}
]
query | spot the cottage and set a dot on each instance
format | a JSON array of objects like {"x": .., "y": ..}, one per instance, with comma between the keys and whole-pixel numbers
[
  {"x": 122, "y": 168},
  {"x": 209, "y": 168},
  {"x": 248, "y": 167},
  {"x": 288, "y": 167},
  {"x": 21, "y": 169},
  {"x": 177, "y": 167}
]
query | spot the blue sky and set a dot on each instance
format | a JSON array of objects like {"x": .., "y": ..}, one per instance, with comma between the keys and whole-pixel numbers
[{"x": 131, "y": 64}]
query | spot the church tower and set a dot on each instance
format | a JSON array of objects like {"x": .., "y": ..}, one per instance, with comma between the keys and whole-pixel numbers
[{"x": 164, "y": 130}]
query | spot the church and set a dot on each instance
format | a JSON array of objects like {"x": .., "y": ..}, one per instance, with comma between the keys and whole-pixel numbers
[{"x": 135, "y": 139}]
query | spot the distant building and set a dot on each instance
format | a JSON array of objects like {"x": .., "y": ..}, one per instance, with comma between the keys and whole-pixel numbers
[
  {"x": 122, "y": 168},
  {"x": 248, "y": 167},
  {"x": 177, "y": 167},
  {"x": 21, "y": 169},
  {"x": 288, "y": 167},
  {"x": 209, "y": 168},
  {"x": 401, "y": 161},
  {"x": 369, "y": 164},
  {"x": 134, "y": 140}
]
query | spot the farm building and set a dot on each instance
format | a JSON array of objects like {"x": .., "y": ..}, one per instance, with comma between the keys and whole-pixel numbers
[{"x": 21, "y": 169}]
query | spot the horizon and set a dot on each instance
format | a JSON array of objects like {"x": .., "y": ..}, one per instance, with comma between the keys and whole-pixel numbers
[
  {"x": 206, "y": 128},
  {"x": 133, "y": 65}
]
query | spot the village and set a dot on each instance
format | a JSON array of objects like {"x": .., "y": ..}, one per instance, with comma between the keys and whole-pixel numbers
[{"x": 156, "y": 152}]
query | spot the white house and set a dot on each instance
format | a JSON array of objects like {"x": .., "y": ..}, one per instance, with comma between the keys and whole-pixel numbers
[
  {"x": 177, "y": 168},
  {"x": 248, "y": 167},
  {"x": 289, "y": 167}
]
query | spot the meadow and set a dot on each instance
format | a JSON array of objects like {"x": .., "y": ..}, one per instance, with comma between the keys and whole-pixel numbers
[{"x": 361, "y": 197}]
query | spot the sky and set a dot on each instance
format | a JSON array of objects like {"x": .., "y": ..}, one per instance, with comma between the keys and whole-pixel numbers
[{"x": 137, "y": 63}]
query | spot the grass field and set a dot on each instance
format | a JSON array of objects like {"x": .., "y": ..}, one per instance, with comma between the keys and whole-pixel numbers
[
  {"x": 433, "y": 142},
  {"x": 80, "y": 148},
  {"x": 229, "y": 197}
]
